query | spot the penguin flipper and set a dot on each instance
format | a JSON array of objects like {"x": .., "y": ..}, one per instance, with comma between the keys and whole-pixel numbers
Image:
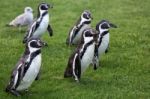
[
  {"x": 50, "y": 30},
  {"x": 71, "y": 36},
  {"x": 95, "y": 58},
  {"x": 30, "y": 31},
  {"x": 78, "y": 67}
]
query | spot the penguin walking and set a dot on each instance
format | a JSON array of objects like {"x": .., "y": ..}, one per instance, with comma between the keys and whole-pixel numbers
[
  {"x": 75, "y": 33},
  {"x": 27, "y": 68},
  {"x": 41, "y": 24},
  {"x": 83, "y": 55},
  {"x": 103, "y": 39},
  {"x": 24, "y": 19}
]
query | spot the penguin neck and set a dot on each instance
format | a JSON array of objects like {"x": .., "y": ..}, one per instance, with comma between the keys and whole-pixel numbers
[
  {"x": 85, "y": 45},
  {"x": 30, "y": 50},
  {"x": 103, "y": 32},
  {"x": 85, "y": 40},
  {"x": 88, "y": 39},
  {"x": 83, "y": 21},
  {"x": 42, "y": 13}
]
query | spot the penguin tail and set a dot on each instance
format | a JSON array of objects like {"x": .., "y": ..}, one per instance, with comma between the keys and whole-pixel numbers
[
  {"x": 68, "y": 73},
  {"x": 78, "y": 67}
]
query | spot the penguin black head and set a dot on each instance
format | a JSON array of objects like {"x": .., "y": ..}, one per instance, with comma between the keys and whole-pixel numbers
[
  {"x": 44, "y": 7},
  {"x": 104, "y": 25},
  {"x": 34, "y": 44},
  {"x": 86, "y": 16}
]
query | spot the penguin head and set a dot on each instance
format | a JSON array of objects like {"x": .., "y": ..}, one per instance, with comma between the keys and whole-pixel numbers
[
  {"x": 44, "y": 7},
  {"x": 86, "y": 16},
  {"x": 104, "y": 25},
  {"x": 89, "y": 35},
  {"x": 28, "y": 10},
  {"x": 34, "y": 44}
]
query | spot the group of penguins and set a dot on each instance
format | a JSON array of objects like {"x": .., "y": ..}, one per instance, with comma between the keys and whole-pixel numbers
[{"x": 90, "y": 45}]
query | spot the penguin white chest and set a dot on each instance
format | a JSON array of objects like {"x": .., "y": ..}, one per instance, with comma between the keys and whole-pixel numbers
[
  {"x": 43, "y": 24},
  {"x": 31, "y": 73},
  {"x": 104, "y": 44},
  {"x": 87, "y": 57},
  {"x": 79, "y": 34}
]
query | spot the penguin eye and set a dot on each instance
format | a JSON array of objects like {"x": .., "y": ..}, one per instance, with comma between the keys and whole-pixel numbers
[
  {"x": 88, "y": 34},
  {"x": 44, "y": 7},
  {"x": 85, "y": 16},
  {"x": 105, "y": 26},
  {"x": 34, "y": 44}
]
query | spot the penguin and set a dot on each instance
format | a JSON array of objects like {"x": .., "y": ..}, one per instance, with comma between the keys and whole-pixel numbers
[
  {"x": 24, "y": 19},
  {"x": 103, "y": 39},
  {"x": 41, "y": 24},
  {"x": 83, "y": 23},
  {"x": 27, "y": 68},
  {"x": 82, "y": 56}
]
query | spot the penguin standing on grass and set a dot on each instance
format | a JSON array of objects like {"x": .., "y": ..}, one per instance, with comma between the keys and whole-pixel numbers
[
  {"x": 41, "y": 24},
  {"x": 103, "y": 38},
  {"x": 83, "y": 55},
  {"x": 75, "y": 33},
  {"x": 27, "y": 67}
]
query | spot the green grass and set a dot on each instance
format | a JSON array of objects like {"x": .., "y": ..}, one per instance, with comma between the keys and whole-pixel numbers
[{"x": 124, "y": 71}]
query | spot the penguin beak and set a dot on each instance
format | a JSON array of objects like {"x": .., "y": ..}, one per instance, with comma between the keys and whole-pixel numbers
[
  {"x": 112, "y": 25},
  {"x": 90, "y": 16},
  {"x": 42, "y": 44}
]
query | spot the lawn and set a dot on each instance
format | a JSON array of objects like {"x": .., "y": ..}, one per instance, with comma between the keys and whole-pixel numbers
[{"x": 124, "y": 71}]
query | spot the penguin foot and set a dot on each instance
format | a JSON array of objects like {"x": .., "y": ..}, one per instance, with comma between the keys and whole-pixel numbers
[
  {"x": 13, "y": 92},
  {"x": 77, "y": 80}
]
